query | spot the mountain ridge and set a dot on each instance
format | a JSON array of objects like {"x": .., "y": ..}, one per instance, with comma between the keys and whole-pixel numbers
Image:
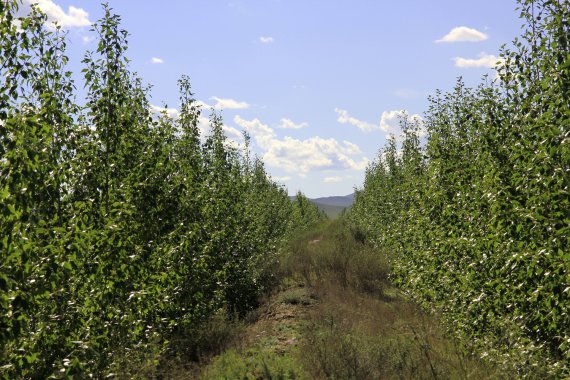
[
  {"x": 336, "y": 200},
  {"x": 332, "y": 205}
]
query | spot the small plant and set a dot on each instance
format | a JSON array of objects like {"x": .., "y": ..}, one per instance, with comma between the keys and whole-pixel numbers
[
  {"x": 297, "y": 296},
  {"x": 252, "y": 365}
]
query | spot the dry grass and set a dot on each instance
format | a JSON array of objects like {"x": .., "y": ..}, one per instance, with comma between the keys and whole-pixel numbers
[
  {"x": 353, "y": 335},
  {"x": 362, "y": 327},
  {"x": 331, "y": 254},
  {"x": 334, "y": 316}
]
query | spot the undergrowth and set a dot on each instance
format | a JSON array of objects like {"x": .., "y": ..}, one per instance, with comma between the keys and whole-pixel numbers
[
  {"x": 331, "y": 253},
  {"x": 361, "y": 326},
  {"x": 335, "y": 315}
]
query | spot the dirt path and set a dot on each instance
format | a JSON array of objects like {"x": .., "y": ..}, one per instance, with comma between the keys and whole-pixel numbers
[
  {"x": 278, "y": 328},
  {"x": 269, "y": 347},
  {"x": 349, "y": 324}
]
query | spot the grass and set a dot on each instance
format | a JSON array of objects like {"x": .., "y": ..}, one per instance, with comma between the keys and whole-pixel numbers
[
  {"x": 296, "y": 296},
  {"x": 362, "y": 327},
  {"x": 331, "y": 253},
  {"x": 353, "y": 335},
  {"x": 267, "y": 349},
  {"x": 252, "y": 364},
  {"x": 334, "y": 315}
]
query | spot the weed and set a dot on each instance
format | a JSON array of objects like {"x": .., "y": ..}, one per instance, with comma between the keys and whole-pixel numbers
[
  {"x": 297, "y": 296},
  {"x": 363, "y": 328},
  {"x": 332, "y": 253},
  {"x": 355, "y": 336},
  {"x": 253, "y": 364}
]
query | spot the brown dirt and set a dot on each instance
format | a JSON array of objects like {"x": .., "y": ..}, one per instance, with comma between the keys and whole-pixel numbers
[{"x": 278, "y": 327}]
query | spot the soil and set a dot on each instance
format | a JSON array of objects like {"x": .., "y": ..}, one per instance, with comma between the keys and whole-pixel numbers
[{"x": 278, "y": 327}]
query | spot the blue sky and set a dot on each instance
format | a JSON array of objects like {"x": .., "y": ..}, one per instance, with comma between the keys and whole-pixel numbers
[{"x": 317, "y": 84}]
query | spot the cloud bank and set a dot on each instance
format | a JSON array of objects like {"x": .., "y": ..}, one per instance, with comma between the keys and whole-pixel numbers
[{"x": 302, "y": 156}]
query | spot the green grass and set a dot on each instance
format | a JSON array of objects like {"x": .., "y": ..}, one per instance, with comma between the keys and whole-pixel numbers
[
  {"x": 255, "y": 363},
  {"x": 331, "y": 253},
  {"x": 296, "y": 296}
]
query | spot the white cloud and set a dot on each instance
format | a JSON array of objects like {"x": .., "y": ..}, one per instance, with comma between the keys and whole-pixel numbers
[
  {"x": 289, "y": 124},
  {"x": 230, "y": 104},
  {"x": 302, "y": 156},
  {"x": 202, "y": 104},
  {"x": 156, "y": 60},
  {"x": 75, "y": 17},
  {"x": 332, "y": 179},
  {"x": 345, "y": 118},
  {"x": 203, "y": 126},
  {"x": 233, "y": 144},
  {"x": 232, "y": 133},
  {"x": 390, "y": 121},
  {"x": 351, "y": 148},
  {"x": 266, "y": 40},
  {"x": 315, "y": 153},
  {"x": 463, "y": 34},
  {"x": 262, "y": 134},
  {"x": 484, "y": 60},
  {"x": 171, "y": 112},
  {"x": 282, "y": 179}
]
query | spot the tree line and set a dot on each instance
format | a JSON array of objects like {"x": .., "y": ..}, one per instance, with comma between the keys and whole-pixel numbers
[
  {"x": 473, "y": 205},
  {"x": 119, "y": 229}
]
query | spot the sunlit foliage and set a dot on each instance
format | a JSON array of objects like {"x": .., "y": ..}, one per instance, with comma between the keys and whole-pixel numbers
[
  {"x": 477, "y": 218},
  {"x": 118, "y": 228}
]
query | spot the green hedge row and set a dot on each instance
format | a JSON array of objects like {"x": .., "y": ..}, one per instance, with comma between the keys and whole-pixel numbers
[
  {"x": 477, "y": 218},
  {"x": 118, "y": 229}
]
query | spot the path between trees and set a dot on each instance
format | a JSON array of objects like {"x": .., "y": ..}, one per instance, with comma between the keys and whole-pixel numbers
[{"x": 328, "y": 321}]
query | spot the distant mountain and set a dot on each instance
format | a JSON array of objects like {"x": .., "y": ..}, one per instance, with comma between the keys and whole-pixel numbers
[
  {"x": 342, "y": 201},
  {"x": 332, "y": 206}
]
